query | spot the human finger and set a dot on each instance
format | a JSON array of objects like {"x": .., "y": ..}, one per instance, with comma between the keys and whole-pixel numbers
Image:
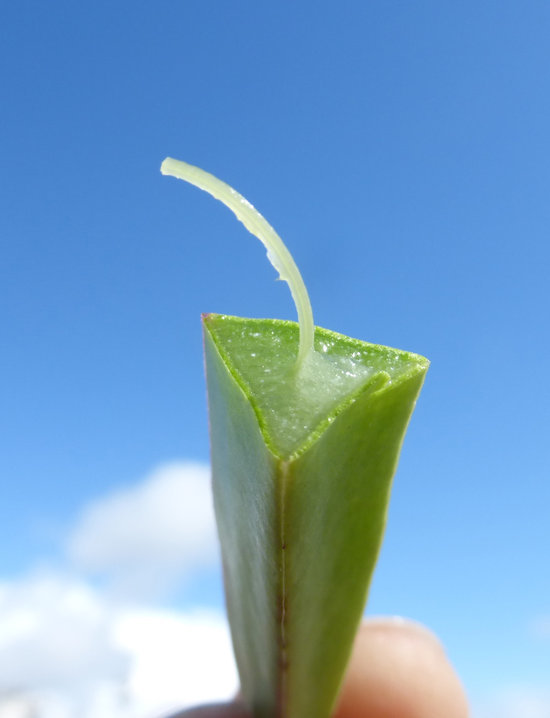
[{"x": 399, "y": 669}]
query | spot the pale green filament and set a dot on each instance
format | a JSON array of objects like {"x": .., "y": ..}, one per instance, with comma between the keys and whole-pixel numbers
[{"x": 277, "y": 253}]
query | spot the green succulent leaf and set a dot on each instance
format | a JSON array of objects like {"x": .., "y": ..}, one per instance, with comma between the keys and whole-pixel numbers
[
  {"x": 300, "y": 523},
  {"x": 306, "y": 428}
]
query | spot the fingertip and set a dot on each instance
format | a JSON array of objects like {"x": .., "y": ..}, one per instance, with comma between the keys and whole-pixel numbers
[{"x": 399, "y": 669}]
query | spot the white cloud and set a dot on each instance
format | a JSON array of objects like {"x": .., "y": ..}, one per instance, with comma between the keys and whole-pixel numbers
[
  {"x": 144, "y": 536},
  {"x": 52, "y": 632},
  {"x": 16, "y": 707},
  {"x": 68, "y": 652},
  {"x": 517, "y": 702},
  {"x": 68, "y": 649},
  {"x": 179, "y": 660}
]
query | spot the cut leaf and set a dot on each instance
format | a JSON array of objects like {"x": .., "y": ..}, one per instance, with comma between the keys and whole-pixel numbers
[
  {"x": 306, "y": 428},
  {"x": 302, "y": 469}
]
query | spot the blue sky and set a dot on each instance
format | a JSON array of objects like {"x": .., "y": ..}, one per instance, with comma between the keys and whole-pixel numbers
[{"x": 402, "y": 150}]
